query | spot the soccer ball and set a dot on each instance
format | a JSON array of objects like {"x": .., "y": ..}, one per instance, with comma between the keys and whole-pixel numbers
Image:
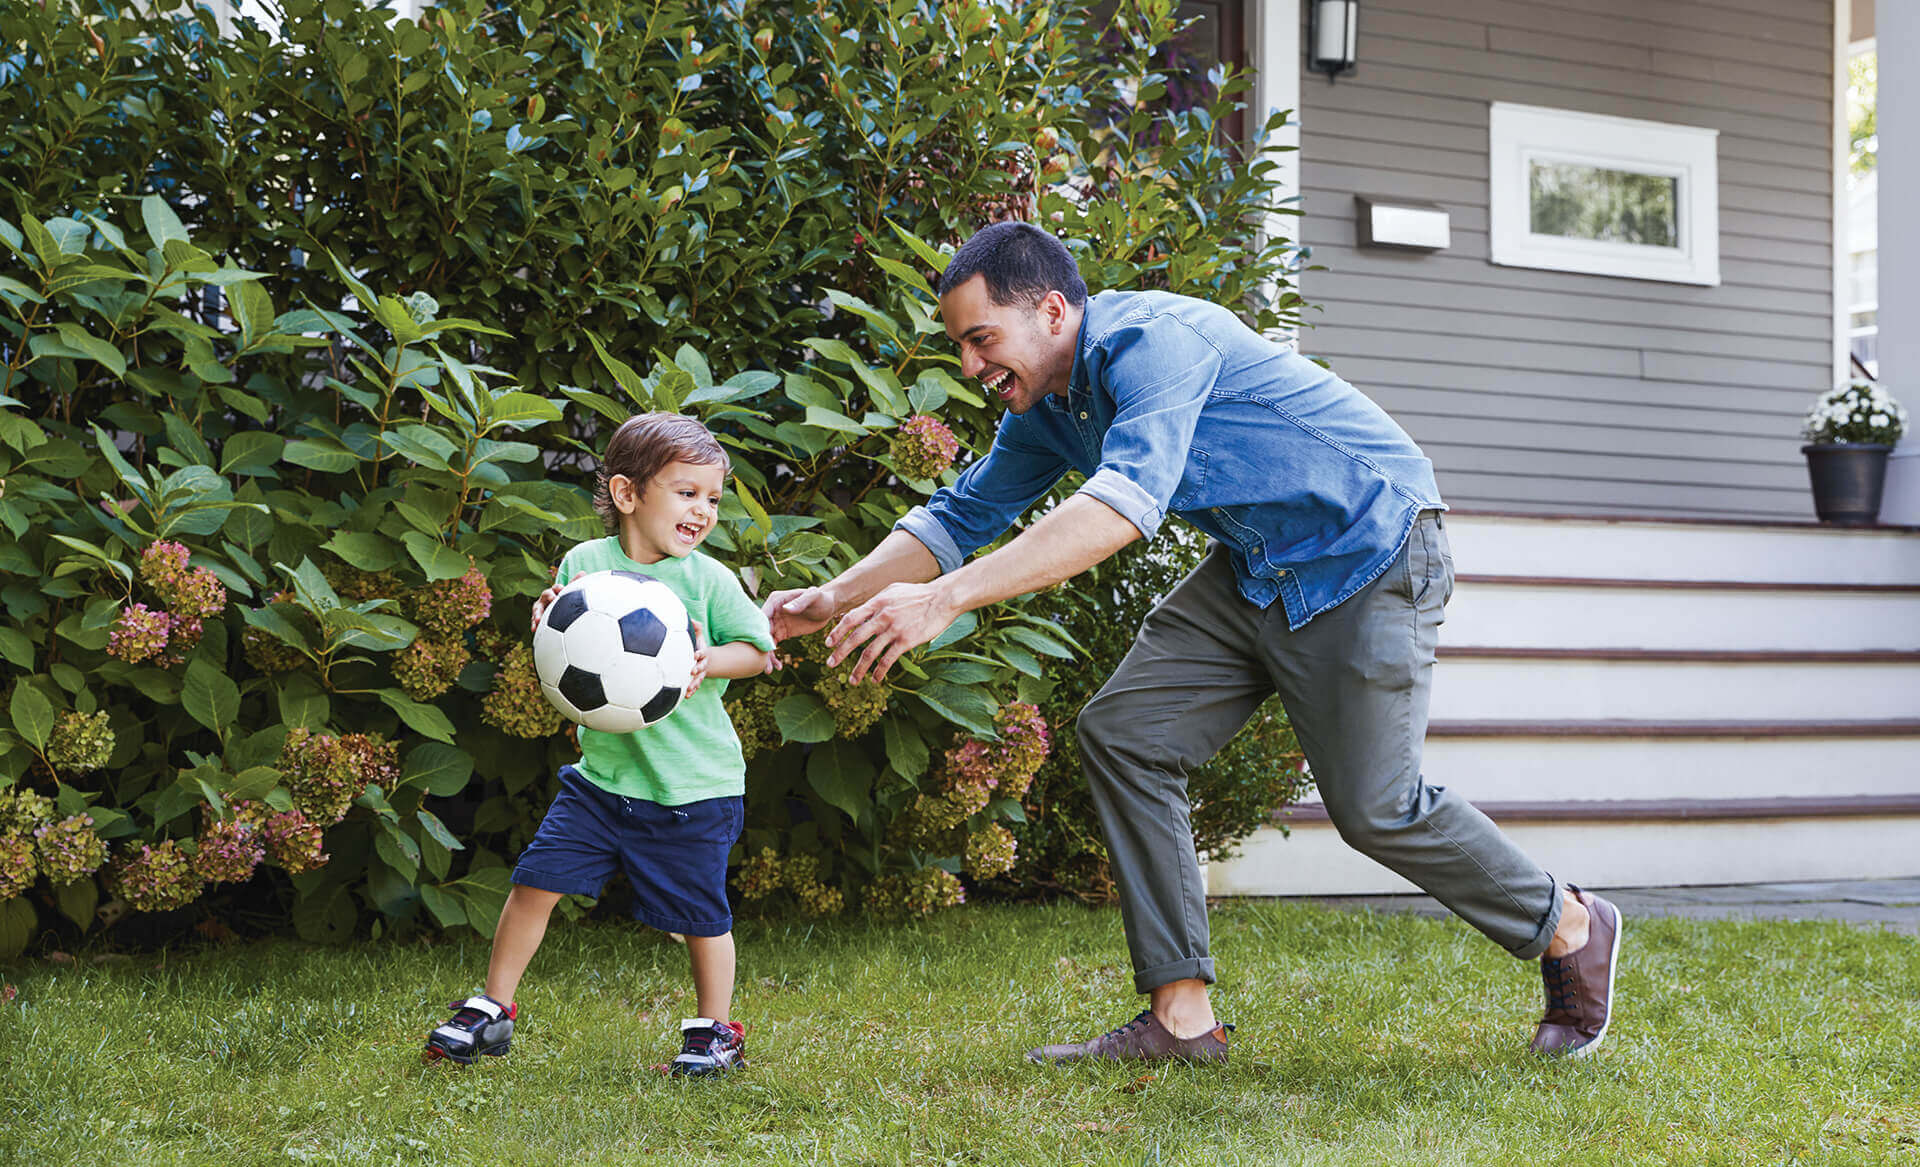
[{"x": 615, "y": 651}]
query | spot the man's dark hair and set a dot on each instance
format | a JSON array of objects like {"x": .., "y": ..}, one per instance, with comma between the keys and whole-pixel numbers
[{"x": 1021, "y": 263}]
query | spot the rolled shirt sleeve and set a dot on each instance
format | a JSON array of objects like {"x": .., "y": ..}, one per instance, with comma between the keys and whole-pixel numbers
[
  {"x": 1160, "y": 372},
  {"x": 987, "y": 497}
]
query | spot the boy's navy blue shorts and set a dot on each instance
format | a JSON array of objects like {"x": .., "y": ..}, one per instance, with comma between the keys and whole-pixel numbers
[{"x": 675, "y": 856}]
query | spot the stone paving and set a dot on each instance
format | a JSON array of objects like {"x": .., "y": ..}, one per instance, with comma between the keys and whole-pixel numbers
[{"x": 1886, "y": 903}]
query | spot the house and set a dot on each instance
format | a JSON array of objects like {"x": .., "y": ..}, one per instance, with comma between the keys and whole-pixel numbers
[{"x": 1593, "y": 256}]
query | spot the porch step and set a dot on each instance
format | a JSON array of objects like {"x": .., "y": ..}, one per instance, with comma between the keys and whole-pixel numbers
[
  {"x": 1629, "y": 547},
  {"x": 1656, "y": 702},
  {"x": 1558, "y": 611},
  {"x": 1676, "y": 853},
  {"x": 1521, "y": 762},
  {"x": 1726, "y": 686}
]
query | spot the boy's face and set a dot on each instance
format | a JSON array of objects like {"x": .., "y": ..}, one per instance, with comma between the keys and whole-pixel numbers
[{"x": 672, "y": 514}]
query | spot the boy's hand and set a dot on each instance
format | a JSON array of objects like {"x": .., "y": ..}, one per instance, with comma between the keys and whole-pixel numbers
[
  {"x": 700, "y": 650},
  {"x": 544, "y": 602},
  {"x": 699, "y": 673}
]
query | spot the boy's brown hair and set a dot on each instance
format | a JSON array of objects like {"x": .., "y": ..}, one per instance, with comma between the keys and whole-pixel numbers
[{"x": 644, "y": 445}]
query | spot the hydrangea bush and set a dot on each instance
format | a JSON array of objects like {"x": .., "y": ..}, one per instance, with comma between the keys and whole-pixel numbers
[
  {"x": 1859, "y": 411},
  {"x": 279, "y": 487}
]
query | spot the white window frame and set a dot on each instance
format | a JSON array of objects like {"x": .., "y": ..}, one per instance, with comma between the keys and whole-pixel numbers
[{"x": 1520, "y": 135}]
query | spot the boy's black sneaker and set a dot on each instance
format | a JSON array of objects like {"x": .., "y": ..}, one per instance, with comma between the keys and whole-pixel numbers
[
  {"x": 480, "y": 1027},
  {"x": 709, "y": 1047}
]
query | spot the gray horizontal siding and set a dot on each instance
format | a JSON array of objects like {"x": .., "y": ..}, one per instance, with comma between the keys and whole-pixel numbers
[{"x": 1553, "y": 391}]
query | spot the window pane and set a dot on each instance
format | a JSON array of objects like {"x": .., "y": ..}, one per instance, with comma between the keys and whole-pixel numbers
[{"x": 1613, "y": 206}]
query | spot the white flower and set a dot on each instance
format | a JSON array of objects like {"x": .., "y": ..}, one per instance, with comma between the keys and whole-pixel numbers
[{"x": 1879, "y": 419}]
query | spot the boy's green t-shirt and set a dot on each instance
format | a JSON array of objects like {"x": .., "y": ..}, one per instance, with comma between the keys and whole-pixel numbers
[{"x": 694, "y": 753}]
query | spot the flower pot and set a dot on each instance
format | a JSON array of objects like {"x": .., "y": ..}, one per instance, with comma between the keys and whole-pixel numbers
[{"x": 1848, "y": 478}]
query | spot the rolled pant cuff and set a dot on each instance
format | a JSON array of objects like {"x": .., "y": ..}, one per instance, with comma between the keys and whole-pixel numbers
[
  {"x": 1549, "y": 924},
  {"x": 1198, "y": 968}
]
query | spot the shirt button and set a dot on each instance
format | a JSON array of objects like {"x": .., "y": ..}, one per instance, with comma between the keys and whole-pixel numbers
[{"x": 1083, "y": 415}]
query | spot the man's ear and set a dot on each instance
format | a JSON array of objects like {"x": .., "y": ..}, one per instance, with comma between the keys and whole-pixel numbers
[{"x": 1054, "y": 305}]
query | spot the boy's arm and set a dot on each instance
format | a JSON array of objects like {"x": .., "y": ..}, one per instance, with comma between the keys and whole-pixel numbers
[{"x": 741, "y": 658}]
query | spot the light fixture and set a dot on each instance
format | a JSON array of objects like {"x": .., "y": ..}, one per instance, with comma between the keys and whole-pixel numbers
[{"x": 1333, "y": 36}]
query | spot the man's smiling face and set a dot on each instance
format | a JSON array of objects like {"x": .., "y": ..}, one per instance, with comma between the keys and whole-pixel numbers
[{"x": 1018, "y": 353}]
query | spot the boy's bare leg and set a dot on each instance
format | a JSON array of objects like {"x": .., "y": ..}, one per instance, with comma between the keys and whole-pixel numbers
[
  {"x": 712, "y": 974},
  {"x": 523, "y": 923}
]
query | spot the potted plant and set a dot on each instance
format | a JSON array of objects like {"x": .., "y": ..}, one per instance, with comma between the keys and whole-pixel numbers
[{"x": 1850, "y": 431}]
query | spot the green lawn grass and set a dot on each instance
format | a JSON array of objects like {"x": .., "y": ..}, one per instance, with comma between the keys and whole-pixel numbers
[{"x": 1362, "y": 1038}]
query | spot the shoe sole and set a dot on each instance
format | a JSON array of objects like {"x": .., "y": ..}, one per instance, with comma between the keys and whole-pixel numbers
[
  {"x": 1613, "y": 970},
  {"x": 436, "y": 1053},
  {"x": 673, "y": 1071}
]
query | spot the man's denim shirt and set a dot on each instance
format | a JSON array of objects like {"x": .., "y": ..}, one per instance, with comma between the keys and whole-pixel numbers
[{"x": 1177, "y": 407}]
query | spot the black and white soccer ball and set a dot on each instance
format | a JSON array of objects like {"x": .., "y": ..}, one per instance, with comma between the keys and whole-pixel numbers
[{"x": 615, "y": 651}]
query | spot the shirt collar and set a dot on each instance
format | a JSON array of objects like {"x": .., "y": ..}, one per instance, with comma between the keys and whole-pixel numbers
[{"x": 1077, "y": 382}]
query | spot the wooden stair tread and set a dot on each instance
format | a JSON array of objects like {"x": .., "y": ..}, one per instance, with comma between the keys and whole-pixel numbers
[
  {"x": 1705, "y": 585},
  {"x": 1700, "y": 655},
  {"x": 1900, "y": 727}
]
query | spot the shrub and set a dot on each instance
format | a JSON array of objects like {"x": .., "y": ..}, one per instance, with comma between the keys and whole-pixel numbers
[{"x": 307, "y": 338}]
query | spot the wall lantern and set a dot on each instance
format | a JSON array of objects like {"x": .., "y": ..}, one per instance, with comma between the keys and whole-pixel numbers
[{"x": 1332, "y": 36}]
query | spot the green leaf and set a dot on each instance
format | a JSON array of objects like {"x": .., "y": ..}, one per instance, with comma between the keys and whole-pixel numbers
[
  {"x": 327, "y": 916},
  {"x": 252, "y": 307},
  {"x": 162, "y": 224},
  {"x": 803, "y": 718},
  {"x": 18, "y": 650},
  {"x": 17, "y": 925},
  {"x": 1039, "y": 642},
  {"x": 398, "y": 849},
  {"x": 275, "y": 624},
  {"x": 363, "y": 549},
  {"x": 78, "y": 900},
  {"x": 444, "y": 905},
  {"x": 421, "y": 718},
  {"x": 251, "y": 452},
  {"x": 437, "y": 830},
  {"x": 968, "y": 708},
  {"x": 842, "y": 776},
  {"x": 961, "y": 628},
  {"x": 623, "y": 374},
  {"x": 934, "y": 259},
  {"x": 210, "y": 696},
  {"x": 908, "y": 275},
  {"x": 906, "y": 749},
  {"x": 512, "y": 408},
  {"x": 442, "y": 770},
  {"x": 482, "y": 894},
  {"x": 322, "y": 454},
  {"x": 304, "y": 704},
  {"x": 312, "y": 588},
  {"x": 421, "y": 444},
  {"x": 829, "y": 419},
  {"x": 435, "y": 558},
  {"x": 33, "y": 715}
]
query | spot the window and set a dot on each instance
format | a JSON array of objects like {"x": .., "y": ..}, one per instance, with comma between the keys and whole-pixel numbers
[{"x": 1603, "y": 195}]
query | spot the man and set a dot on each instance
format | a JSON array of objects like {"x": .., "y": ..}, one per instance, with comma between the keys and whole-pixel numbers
[{"x": 1326, "y": 583}]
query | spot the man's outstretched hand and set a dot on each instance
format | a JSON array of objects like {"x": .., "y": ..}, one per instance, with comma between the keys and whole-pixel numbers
[
  {"x": 797, "y": 611},
  {"x": 902, "y": 617}
]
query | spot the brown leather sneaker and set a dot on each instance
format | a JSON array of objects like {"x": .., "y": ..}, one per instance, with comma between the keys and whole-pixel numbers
[
  {"x": 1580, "y": 985},
  {"x": 1142, "y": 1039}
]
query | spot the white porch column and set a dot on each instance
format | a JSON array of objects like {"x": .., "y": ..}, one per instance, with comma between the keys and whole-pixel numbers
[{"x": 1897, "y": 29}]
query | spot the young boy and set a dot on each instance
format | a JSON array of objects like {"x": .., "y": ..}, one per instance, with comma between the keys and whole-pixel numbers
[{"x": 663, "y": 804}]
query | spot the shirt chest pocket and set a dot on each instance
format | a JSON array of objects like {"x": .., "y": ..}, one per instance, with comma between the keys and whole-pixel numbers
[{"x": 1192, "y": 481}]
